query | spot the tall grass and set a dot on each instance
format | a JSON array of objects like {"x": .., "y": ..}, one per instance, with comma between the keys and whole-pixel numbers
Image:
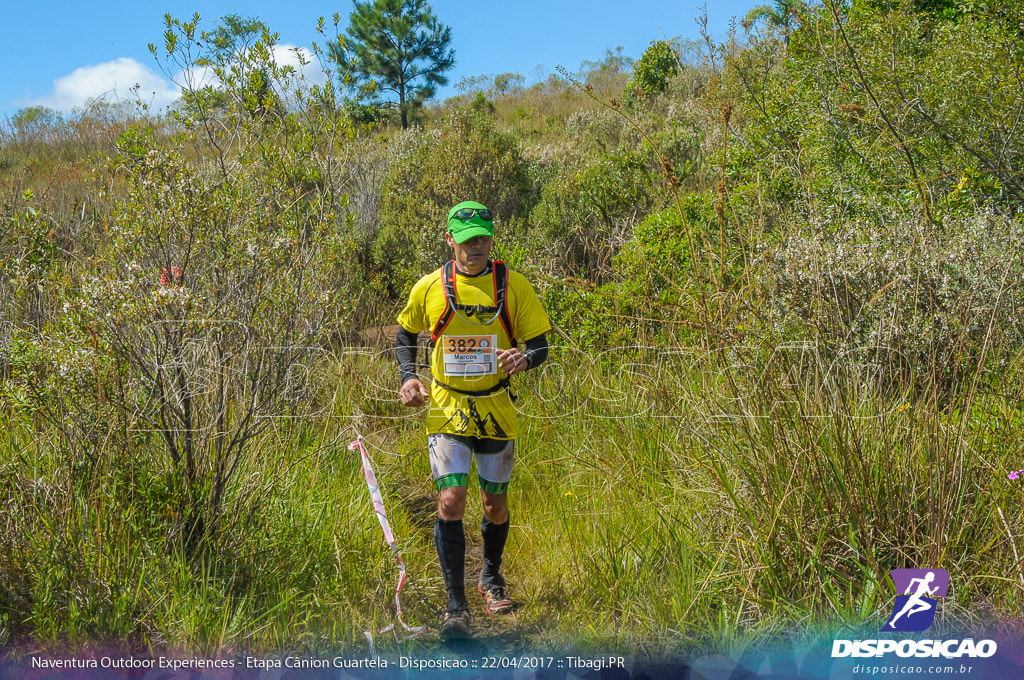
[{"x": 661, "y": 502}]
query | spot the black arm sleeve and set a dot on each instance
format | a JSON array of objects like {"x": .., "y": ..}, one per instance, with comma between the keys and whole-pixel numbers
[
  {"x": 536, "y": 350},
  {"x": 405, "y": 352}
]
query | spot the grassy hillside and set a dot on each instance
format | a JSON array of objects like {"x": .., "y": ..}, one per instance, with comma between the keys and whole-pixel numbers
[{"x": 784, "y": 275}]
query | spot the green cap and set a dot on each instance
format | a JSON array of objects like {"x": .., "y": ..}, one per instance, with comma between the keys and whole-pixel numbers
[{"x": 464, "y": 229}]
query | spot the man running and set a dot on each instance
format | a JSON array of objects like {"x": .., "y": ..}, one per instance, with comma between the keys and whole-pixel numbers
[{"x": 476, "y": 310}]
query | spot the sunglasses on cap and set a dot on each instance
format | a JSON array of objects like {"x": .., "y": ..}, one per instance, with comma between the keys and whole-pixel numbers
[{"x": 467, "y": 214}]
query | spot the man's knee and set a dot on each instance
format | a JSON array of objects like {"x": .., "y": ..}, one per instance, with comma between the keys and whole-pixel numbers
[
  {"x": 451, "y": 502},
  {"x": 495, "y": 506}
]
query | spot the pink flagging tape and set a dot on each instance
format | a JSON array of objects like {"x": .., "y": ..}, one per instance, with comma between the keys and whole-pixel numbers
[{"x": 382, "y": 517}]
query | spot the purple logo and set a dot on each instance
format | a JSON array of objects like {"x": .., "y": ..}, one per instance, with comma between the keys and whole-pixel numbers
[{"x": 914, "y": 609}]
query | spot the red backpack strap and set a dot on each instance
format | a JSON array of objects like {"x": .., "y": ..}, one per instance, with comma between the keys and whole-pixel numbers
[
  {"x": 501, "y": 297},
  {"x": 448, "y": 281}
]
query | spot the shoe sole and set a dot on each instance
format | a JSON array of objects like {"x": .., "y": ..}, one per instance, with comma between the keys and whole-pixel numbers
[
  {"x": 454, "y": 632},
  {"x": 503, "y": 607}
]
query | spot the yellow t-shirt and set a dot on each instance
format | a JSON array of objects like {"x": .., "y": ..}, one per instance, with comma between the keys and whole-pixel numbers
[{"x": 464, "y": 356}]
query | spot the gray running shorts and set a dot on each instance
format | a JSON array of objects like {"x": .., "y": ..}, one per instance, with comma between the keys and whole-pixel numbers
[{"x": 451, "y": 455}]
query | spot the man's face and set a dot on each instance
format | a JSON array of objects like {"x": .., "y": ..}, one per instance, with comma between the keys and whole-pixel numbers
[{"x": 471, "y": 256}]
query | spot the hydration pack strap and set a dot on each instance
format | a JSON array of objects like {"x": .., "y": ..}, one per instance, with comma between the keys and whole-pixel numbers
[{"x": 500, "y": 276}]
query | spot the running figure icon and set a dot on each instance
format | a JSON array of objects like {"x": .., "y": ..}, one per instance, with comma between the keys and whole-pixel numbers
[
  {"x": 916, "y": 603},
  {"x": 915, "y": 606}
]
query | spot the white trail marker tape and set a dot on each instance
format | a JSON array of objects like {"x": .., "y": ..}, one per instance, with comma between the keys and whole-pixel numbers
[{"x": 382, "y": 517}]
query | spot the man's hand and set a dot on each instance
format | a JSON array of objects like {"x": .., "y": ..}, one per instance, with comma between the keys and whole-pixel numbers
[
  {"x": 413, "y": 393},
  {"x": 512, "y": 361}
]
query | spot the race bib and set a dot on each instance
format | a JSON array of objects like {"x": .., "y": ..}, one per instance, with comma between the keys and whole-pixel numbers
[{"x": 469, "y": 354}]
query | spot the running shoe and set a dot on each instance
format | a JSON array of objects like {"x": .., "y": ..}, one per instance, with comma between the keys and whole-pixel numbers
[
  {"x": 455, "y": 624},
  {"x": 495, "y": 600}
]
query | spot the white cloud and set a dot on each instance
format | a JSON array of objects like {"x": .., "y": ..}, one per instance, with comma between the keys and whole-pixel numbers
[
  {"x": 285, "y": 55},
  {"x": 111, "y": 81}
]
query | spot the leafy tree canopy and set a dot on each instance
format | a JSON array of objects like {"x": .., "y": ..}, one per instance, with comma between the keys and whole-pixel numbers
[
  {"x": 232, "y": 37},
  {"x": 396, "y": 46},
  {"x": 781, "y": 15},
  {"x": 651, "y": 74}
]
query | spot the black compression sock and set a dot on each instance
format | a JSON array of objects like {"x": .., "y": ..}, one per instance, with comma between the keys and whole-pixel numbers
[
  {"x": 495, "y": 536},
  {"x": 450, "y": 540}
]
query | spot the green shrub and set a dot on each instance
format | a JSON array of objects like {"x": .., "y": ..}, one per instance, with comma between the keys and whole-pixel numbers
[
  {"x": 913, "y": 303},
  {"x": 370, "y": 113},
  {"x": 890, "y": 107},
  {"x": 587, "y": 210},
  {"x": 659, "y": 250},
  {"x": 466, "y": 158},
  {"x": 652, "y": 73}
]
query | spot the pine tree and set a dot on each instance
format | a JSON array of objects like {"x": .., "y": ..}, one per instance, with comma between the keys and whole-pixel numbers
[{"x": 396, "y": 46}]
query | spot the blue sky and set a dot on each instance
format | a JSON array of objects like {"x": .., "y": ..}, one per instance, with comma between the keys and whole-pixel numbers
[{"x": 59, "y": 54}]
